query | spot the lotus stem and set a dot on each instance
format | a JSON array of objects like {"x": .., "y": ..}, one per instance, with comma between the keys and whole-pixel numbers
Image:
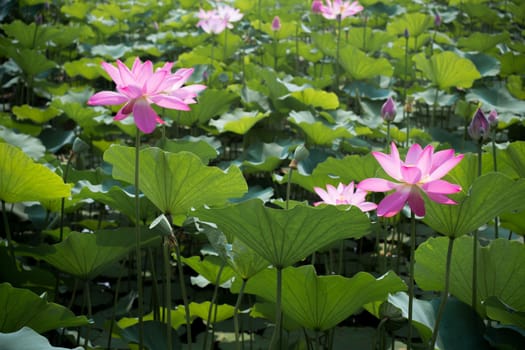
[
  {"x": 155, "y": 286},
  {"x": 338, "y": 44},
  {"x": 167, "y": 272},
  {"x": 113, "y": 313},
  {"x": 406, "y": 114},
  {"x": 63, "y": 200},
  {"x": 183, "y": 292},
  {"x": 444, "y": 296},
  {"x": 212, "y": 303},
  {"x": 8, "y": 233},
  {"x": 236, "y": 314},
  {"x": 495, "y": 164},
  {"x": 276, "y": 342},
  {"x": 411, "y": 277},
  {"x": 138, "y": 252}
]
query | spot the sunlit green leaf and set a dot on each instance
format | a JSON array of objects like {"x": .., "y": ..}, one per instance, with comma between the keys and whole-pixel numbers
[
  {"x": 209, "y": 268},
  {"x": 284, "y": 237},
  {"x": 204, "y": 147},
  {"x": 447, "y": 69},
  {"x": 500, "y": 270},
  {"x": 496, "y": 97},
  {"x": 37, "y": 115},
  {"x": 319, "y": 131},
  {"x": 416, "y": 24},
  {"x": 21, "y": 179},
  {"x": 239, "y": 121},
  {"x": 31, "y": 146},
  {"x": 482, "y": 42},
  {"x": 176, "y": 182},
  {"x": 22, "y": 307},
  {"x": 360, "y": 66},
  {"x": 86, "y": 67},
  {"x": 317, "y": 98},
  {"x": 321, "y": 302},
  {"x": 31, "y": 62},
  {"x": 498, "y": 311}
]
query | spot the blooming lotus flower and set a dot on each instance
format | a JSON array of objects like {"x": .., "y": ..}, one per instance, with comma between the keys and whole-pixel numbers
[
  {"x": 217, "y": 20},
  {"x": 336, "y": 8},
  {"x": 344, "y": 195},
  {"x": 139, "y": 87},
  {"x": 479, "y": 127},
  {"x": 388, "y": 110},
  {"x": 419, "y": 174}
]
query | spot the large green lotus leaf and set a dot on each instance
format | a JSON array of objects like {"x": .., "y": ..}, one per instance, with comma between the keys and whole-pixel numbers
[
  {"x": 30, "y": 61},
  {"x": 460, "y": 328},
  {"x": 86, "y": 255},
  {"x": 325, "y": 42},
  {"x": 317, "y": 98},
  {"x": 176, "y": 182},
  {"x": 490, "y": 195},
  {"x": 287, "y": 30},
  {"x": 361, "y": 67},
  {"x": 212, "y": 103},
  {"x": 154, "y": 335},
  {"x": 515, "y": 86},
  {"x": 85, "y": 67},
  {"x": 318, "y": 130},
  {"x": 368, "y": 40},
  {"x": 178, "y": 318},
  {"x": 36, "y": 115},
  {"x": 77, "y": 9},
  {"x": 498, "y": 311},
  {"x": 241, "y": 258},
  {"x": 30, "y": 145},
  {"x": 514, "y": 222},
  {"x": 516, "y": 153},
  {"x": 206, "y": 148},
  {"x": 447, "y": 69},
  {"x": 110, "y": 51},
  {"x": 487, "y": 66},
  {"x": 415, "y": 23},
  {"x": 500, "y": 270},
  {"x": 482, "y": 42},
  {"x": 21, "y": 179},
  {"x": 239, "y": 121},
  {"x": 263, "y": 156},
  {"x": 209, "y": 268},
  {"x": 21, "y": 307},
  {"x": 496, "y": 97},
  {"x": 512, "y": 63},
  {"x": 26, "y": 338},
  {"x": 284, "y": 237},
  {"x": 321, "y": 302}
]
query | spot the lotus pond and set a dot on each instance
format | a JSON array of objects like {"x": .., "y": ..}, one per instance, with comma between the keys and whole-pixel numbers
[{"x": 262, "y": 174}]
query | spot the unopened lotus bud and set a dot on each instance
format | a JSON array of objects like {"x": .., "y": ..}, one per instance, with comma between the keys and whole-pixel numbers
[
  {"x": 479, "y": 127},
  {"x": 301, "y": 153},
  {"x": 493, "y": 118},
  {"x": 437, "y": 20},
  {"x": 406, "y": 34},
  {"x": 316, "y": 6},
  {"x": 276, "y": 24},
  {"x": 388, "y": 110}
]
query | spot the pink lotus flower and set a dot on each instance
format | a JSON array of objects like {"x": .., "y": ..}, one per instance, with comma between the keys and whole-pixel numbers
[
  {"x": 139, "y": 87},
  {"x": 336, "y": 8},
  {"x": 276, "y": 24},
  {"x": 316, "y": 6},
  {"x": 217, "y": 20},
  {"x": 421, "y": 172},
  {"x": 344, "y": 195}
]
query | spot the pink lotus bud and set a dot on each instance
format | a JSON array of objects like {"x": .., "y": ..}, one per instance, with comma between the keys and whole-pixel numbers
[
  {"x": 493, "y": 118},
  {"x": 316, "y": 6},
  {"x": 388, "y": 110},
  {"x": 406, "y": 34},
  {"x": 479, "y": 127},
  {"x": 437, "y": 20},
  {"x": 276, "y": 24}
]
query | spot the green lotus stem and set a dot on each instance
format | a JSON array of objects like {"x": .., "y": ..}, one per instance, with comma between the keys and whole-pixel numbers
[
  {"x": 138, "y": 252},
  {"x": 388, "y": 134},
  {"x": 63, "y": 200},
  {"x": 155, "y": 286},
  {"x": 236, "y": 314},
  {"x": 275, "y": 41},
  {"x": 444, "y": 296},
  {"x": 89, "y": 310},
  {"x": 364, "y": 32},
  {"x": 212, "y": 303},
  {"x": 276, "y": 342},
  {"x": 225, "y": 44},
  {"x": 289, "y": 184},
  {"x": 183, "y": 292},
  {"x": 297, "y": 46},
  {"x": 340, "y": 262},
  {"x": 475, "y": 244},
  {"x": 495, "y": 164},
  {"x": 434, "y": 109},
  {"x": 167, "y": 286},
  {"x": 411, "y": 277},
  {"x": 113, "y": 313},
  {"x": 339, "y": 25},
  {"x": 317, "y": 340},
  {"x": 8, "y": 233},
  {"x": 405, "y": 112}
]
